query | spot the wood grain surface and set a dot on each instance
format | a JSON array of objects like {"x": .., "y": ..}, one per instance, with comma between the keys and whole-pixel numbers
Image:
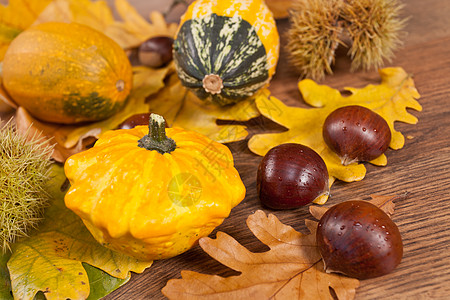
[{"x": 420, "y": 168}]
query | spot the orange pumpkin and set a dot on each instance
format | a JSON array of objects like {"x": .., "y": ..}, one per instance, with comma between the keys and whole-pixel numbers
[{"x": 67, "y": 73}]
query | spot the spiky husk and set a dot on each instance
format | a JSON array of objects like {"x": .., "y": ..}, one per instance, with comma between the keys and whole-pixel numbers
[
  {"x": 24, "y": 161},
  {"x": 317, "y": 27},
  {"x": 374, "y": 28},
  {"x": 314, "y": 35}
]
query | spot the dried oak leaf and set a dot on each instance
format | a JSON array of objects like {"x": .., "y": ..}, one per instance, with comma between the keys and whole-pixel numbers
[
  {"x": 385, "y": 202},
  {"x": 6, "y": 103},
  {"x": 291, "y": 269},
  {"x": 129, "y": 32},
  {"x": 279, "y": 8},
  {"x": 51, "y": 258},
  {"x": 390, "y": 99}
]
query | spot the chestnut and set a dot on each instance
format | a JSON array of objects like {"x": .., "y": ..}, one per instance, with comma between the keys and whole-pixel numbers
[
  {"x": 135, "y": 120},
  {"x": 356, "y": 133},
  {"x": 291, "y": 175},
  {"x": 156, "y": 52},
  {"x": 359, "y": 239}
]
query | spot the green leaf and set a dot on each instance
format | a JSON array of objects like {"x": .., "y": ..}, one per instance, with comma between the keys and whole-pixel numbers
[
  {"x": 50, "y": 260},
  {"x": 101, "y": 283},
  {"x": 5, "y": 282}
]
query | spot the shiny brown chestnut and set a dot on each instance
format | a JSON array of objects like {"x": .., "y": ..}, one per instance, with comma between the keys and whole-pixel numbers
[
  {"x": 291, "y": 175},
  {"x": 358, "y": 239},
  {"x": 156, "y": 52},
  {"x": 136, "y": 120},
  {"x": 356, "y": 133}
]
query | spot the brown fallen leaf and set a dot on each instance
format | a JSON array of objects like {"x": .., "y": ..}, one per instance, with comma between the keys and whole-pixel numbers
[
  {"x": 291, "y": 269},
  {"x": 156, "y": 90},
  {"x": 6, "y": 103},
  {"x": 386, "y": 203},
  {"x": 26, "y": 123},
  {"x": 279, "y": 8}
]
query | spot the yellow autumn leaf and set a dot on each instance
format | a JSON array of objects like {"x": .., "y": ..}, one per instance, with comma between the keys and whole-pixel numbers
[
  {"x": 15, "y": 17},
  {"x": 146, "y": 81},
  {"x": 384, "y": 202},
  {"x": 390, "y": 99},
  {"x": 151, "y": 93},
  {"x": 50, "y": 259},
  {"x": 291, "y": 269},
  {"x": 136, "y": 25},
  {"x": 71, "y": 139},
  {"x": 128, "y": 33},
  {"x": 202, "y": 117},
  {"x": 97, "y": 15},
  {"x": 182, "y": 108}
]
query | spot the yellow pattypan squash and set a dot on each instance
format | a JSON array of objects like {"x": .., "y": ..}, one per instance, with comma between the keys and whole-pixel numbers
[{"x": 152, "y": 196}]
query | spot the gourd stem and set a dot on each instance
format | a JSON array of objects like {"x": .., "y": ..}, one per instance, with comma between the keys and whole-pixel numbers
[
  {"x": 213, "y": 84},
  {"x": 156, "y": 139}
]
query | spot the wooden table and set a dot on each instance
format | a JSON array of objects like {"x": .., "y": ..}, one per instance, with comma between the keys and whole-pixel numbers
[{"x": 421, "y": 168}]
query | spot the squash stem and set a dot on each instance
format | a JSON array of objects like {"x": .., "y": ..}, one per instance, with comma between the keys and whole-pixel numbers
[
  {"x": 156, "y": 139},
  {"x": 213, "y": 84}
]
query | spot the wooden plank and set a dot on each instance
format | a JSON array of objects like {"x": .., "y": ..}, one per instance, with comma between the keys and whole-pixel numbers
[{"x": 421, "y": 168}]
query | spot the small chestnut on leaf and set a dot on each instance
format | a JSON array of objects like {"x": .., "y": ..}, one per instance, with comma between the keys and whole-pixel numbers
[
  {"x": 356, "y": 133},
  {"x": 359, "y": 239},
  {"x": 291, "y": 175},
  {"x": 156, "y": 52}
]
